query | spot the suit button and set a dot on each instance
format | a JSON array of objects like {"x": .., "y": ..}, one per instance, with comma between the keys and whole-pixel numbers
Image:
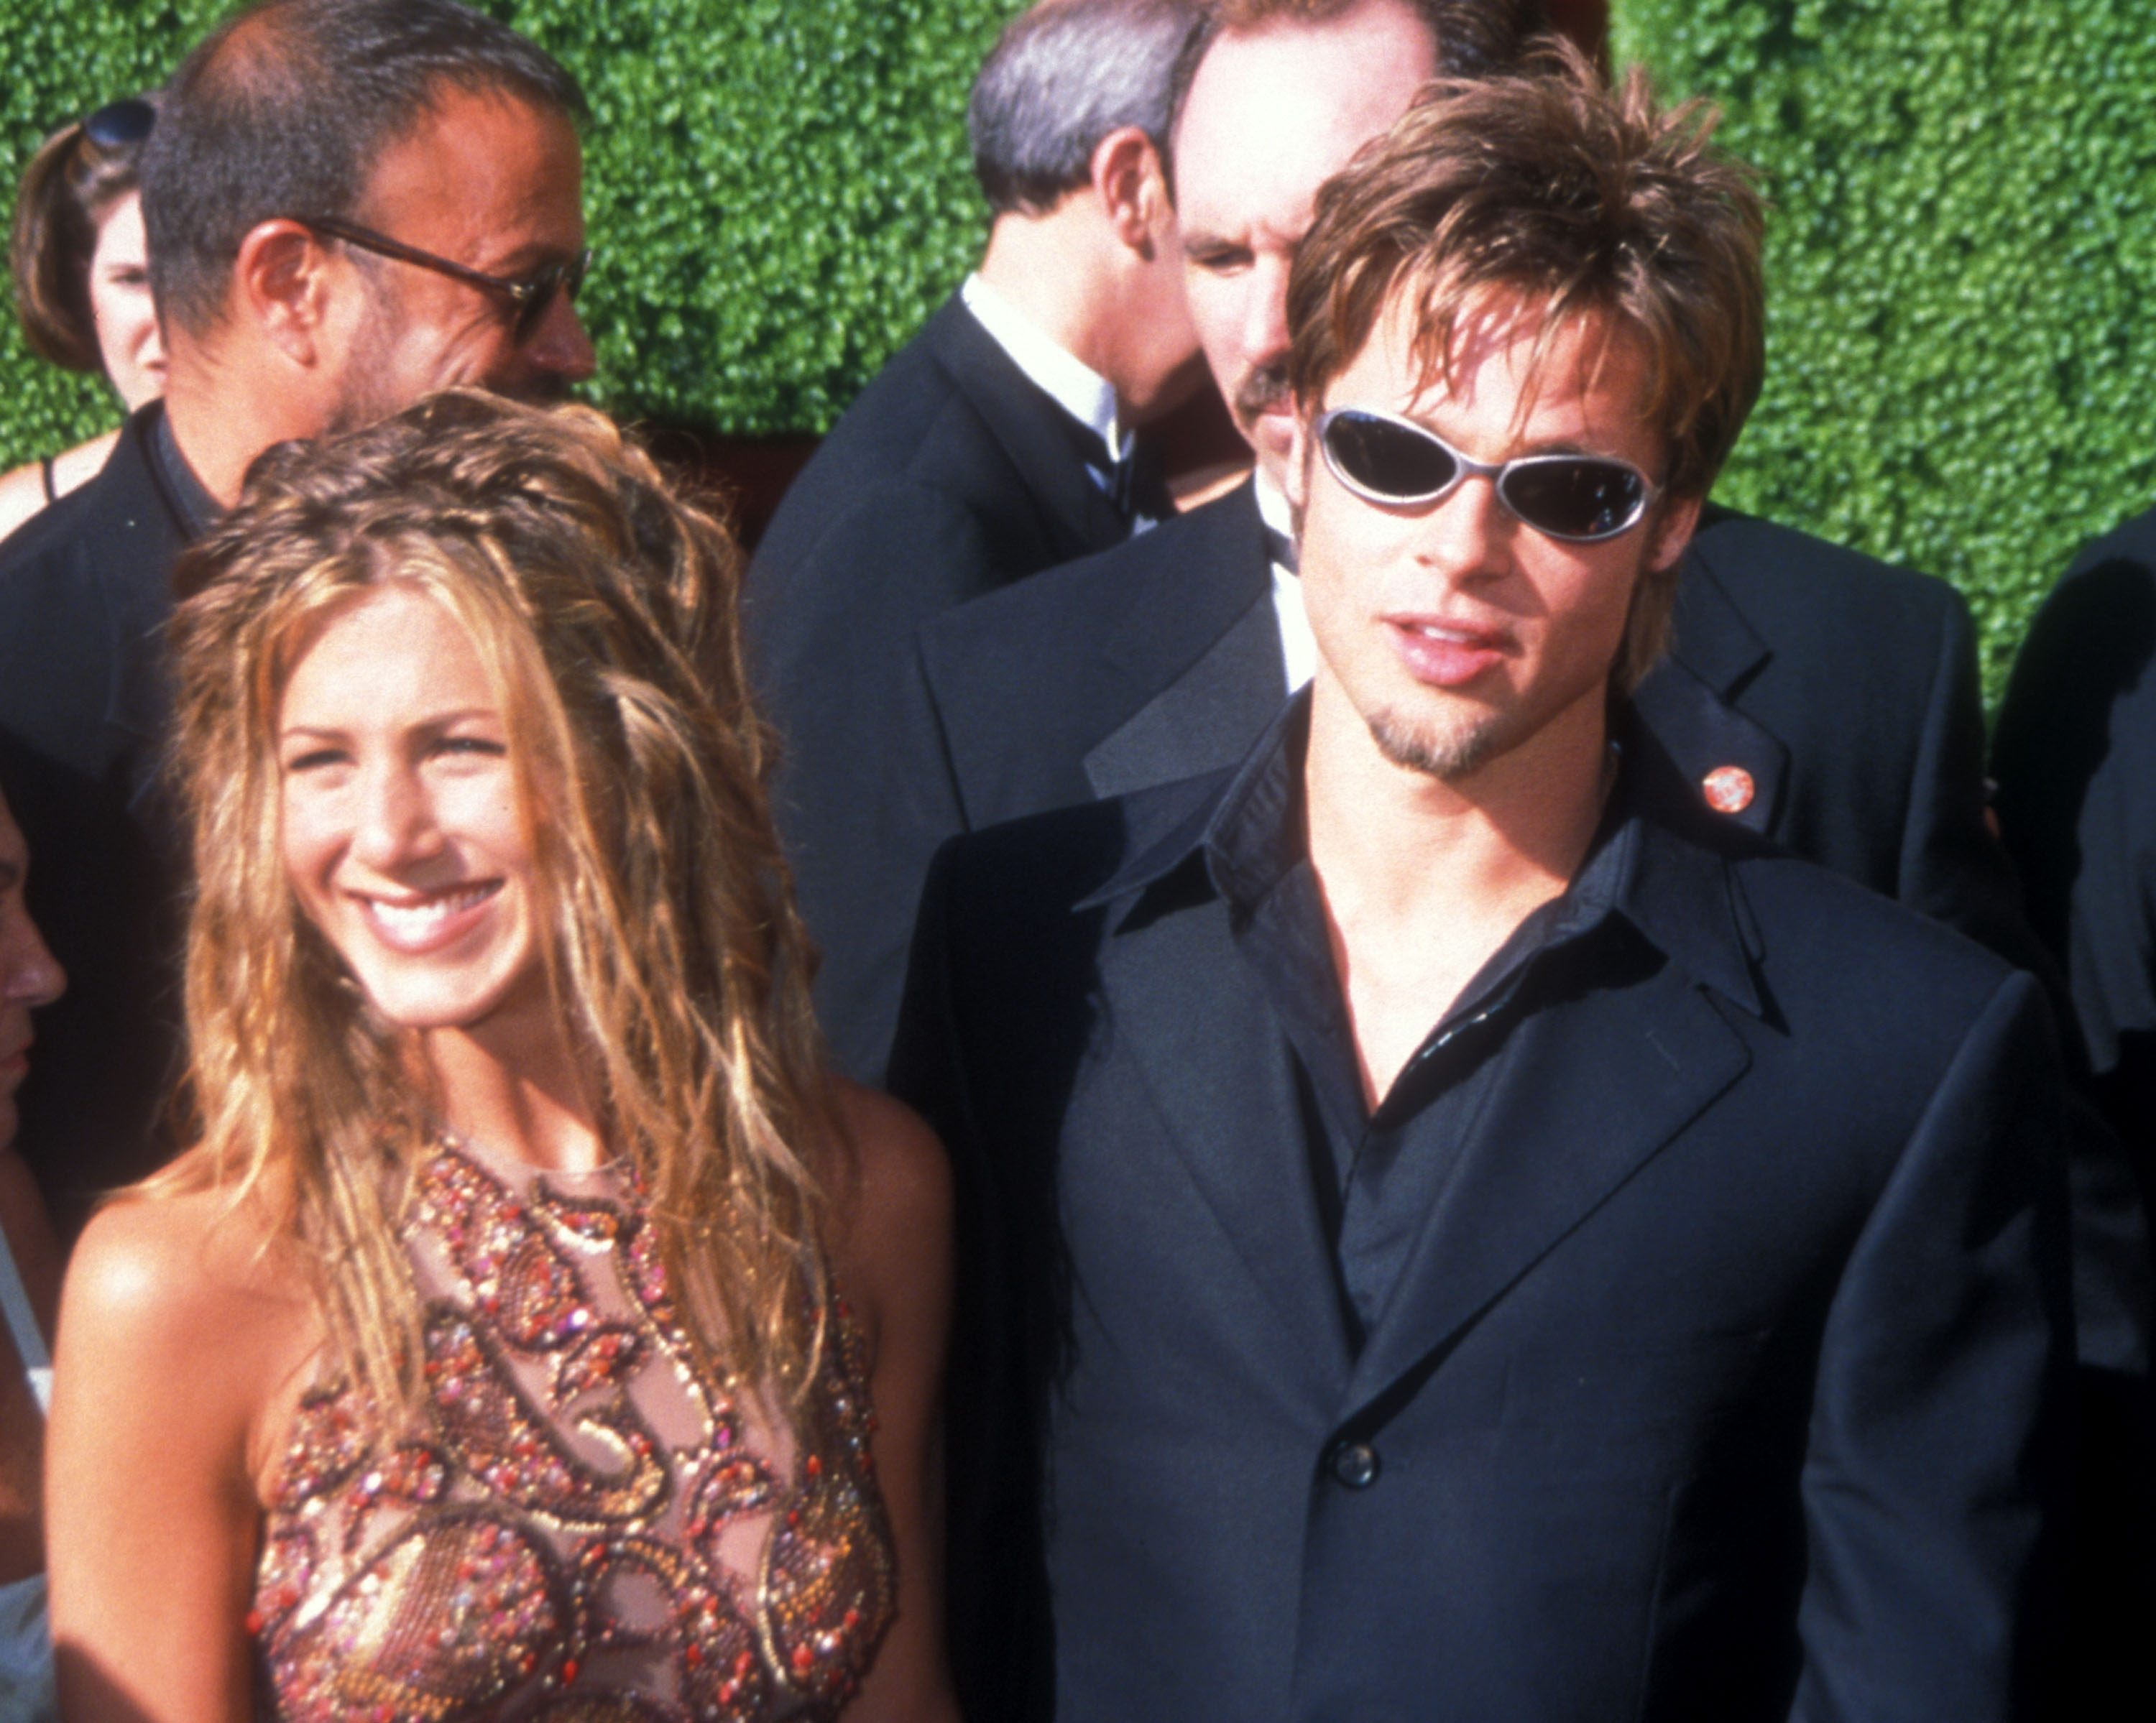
[{"x": 1355, "y": 1464}]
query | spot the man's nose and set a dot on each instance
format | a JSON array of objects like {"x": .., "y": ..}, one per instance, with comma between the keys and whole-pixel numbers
[
  {"x": 29, "y": 973},
  {"x": 559, "y": 344},
  {"x": 1265, "y": 330},
  {"x": 1469, "y": 533}
]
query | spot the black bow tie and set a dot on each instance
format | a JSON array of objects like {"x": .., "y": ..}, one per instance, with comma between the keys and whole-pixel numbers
[{"x": 1137, "y": 485}]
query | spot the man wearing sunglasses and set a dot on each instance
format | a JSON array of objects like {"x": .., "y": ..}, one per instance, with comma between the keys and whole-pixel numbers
[
  {"x": 1811, "y": 693},
  {"x": 1479, "y": 1234},
  {"x": 349, "y": 204}
]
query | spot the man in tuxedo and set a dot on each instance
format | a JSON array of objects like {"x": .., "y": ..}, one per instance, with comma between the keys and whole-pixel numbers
[
  {"x": 418, "y": 222},
  {"x": 1479, "y": 1233},
  {"x": 1812, "y": 695},
  {"x": 869, "y": 796},
  {"x": 1000, "y": 442}
]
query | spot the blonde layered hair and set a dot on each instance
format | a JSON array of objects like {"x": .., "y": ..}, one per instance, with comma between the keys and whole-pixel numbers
[{"x": 603, "y": 607}]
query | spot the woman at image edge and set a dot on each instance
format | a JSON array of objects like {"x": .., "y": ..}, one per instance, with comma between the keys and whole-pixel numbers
[
  {"x": 506, "y": 1345},
  {"x": 82, "y": 284}
]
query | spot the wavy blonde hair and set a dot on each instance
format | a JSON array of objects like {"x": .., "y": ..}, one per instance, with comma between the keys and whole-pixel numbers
[{"x": 603, "y": 604}]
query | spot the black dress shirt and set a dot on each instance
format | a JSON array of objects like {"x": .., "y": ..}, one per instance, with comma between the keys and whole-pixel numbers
[
  {"x": 1723, "y": 1376},
  {"x": 1377, "y": 1173}
]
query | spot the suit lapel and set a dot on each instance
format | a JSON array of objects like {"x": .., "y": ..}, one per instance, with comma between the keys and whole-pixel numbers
[
  {"x": 1688, "y": 701},
  {"x": 1040, "y": 438},
  {"x": 1706, "y": 734},
  {"x": 1204, "y": 720},
  {"x": 1207, "y": 715},
  {"x": 1595, "y": 1089},
  {"x": 1709, "y": 634},
  {"x": 1215, "y": 1070}
]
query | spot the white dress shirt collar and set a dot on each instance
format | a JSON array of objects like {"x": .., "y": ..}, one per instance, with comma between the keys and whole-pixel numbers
[
  {"x": 1074, "y": 386},
  {"x": 1298, "y": 645}
]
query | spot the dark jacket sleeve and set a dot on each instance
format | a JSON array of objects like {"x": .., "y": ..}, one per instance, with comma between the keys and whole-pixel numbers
[
  {"x": 863, "y": 795},
  {"x": 2075, "y": 755},
  {"x": 997, "y": 1617},
  {"x": 1938, "y": 1415},
  {"x": 1952, "y": 867}
]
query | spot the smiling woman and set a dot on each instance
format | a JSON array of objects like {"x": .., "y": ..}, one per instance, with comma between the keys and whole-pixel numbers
[{"x": 517, "y": 1171}]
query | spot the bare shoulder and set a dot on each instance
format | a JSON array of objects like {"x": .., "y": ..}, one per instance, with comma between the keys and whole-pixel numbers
[
  {"x": 892, "y": 1235},
  {"x": 176, "y": 1262},
  {"x": 187, "y": 1296},
  {"x": 83, "y": 462}
]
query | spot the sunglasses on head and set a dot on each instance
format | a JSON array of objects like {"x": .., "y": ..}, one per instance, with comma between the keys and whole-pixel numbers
[
  {"x": 530, "y": 296},
  {"x": 1580, "y": 498},
  {"x": 121, "y": 125}
]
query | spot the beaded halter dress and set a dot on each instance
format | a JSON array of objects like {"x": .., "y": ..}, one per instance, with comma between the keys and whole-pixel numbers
[{"x": 586, "y": 1528}]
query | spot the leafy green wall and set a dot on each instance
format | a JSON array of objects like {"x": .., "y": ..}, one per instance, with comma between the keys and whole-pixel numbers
[
  {"x": 779, "y": 190},
  {"x": 1961, "y": 257},
  {"x": 1962, "y": 334}
]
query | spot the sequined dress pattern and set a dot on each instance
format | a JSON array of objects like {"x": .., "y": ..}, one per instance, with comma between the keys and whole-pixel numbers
[{"x": 585, "y": 1528}]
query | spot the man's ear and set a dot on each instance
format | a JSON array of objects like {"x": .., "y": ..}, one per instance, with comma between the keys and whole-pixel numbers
[
  {"x": 1133, "y": 191},
  {"x": 282, "y": 283},
  {"x": 1673, "y": 531}
]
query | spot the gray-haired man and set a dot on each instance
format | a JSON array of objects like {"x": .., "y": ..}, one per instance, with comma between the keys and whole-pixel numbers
[{"x": 996, "y": 445}]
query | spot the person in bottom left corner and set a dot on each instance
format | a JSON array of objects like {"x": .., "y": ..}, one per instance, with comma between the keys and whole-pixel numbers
[
  {"x": 534, "y": 1327},
  {"x": 30, "y": 1288}
]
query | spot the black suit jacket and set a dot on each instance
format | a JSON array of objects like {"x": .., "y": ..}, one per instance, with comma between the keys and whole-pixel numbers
[
  {"x": 951, "y": 475},
  {"x": 1722, "y": 1381},
  {"x": 2075, "y": 754},
  {"x": 2076, "y": 759},
  {"x": 84, "y": 701},
  {"x": 1846, "y": 687}
]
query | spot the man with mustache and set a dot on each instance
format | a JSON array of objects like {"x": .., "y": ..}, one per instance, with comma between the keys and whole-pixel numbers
[
  {"x": 350, "y": 204},
  {"x": 1477, "y": 1232},
  {"x": 1305, "y": 84},
  {"x": 1812, "y": 695}
]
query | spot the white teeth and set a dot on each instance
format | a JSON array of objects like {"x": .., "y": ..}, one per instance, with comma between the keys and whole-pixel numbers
[
  {"x": 418, "y": 921},
  {"x": 1430, "y": 631}
]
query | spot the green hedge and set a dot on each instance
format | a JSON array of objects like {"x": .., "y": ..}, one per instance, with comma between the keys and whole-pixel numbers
[
  {"x": 1961, "y": 371},
  {"x": 1962, "y": 334},
  {"x": 779, "y": 190}
]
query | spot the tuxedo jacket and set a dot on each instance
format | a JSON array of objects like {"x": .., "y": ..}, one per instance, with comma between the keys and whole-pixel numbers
[
  {"x": 1846, "y": 690},
  {"x": 1722, "y": 1379},
  {"x": 84, "y": 593},
  {"x": 951, "y": 475}
]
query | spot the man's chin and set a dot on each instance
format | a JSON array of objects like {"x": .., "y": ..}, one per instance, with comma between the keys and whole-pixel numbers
[
  {"x": 1447, "y": 753},
  {"x": 1272, "y": 438}
]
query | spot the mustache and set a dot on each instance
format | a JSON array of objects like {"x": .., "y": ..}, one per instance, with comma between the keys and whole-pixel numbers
[{"x": 1263, "y": 391}]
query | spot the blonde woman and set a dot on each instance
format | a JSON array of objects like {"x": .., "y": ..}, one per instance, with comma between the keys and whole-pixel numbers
[{"x": 534, "y": 1330}]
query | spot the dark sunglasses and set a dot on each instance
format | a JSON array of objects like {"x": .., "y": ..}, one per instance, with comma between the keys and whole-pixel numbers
[
  {"x": 121, "y": 125},
  {"x": 1580, "y": 498},
  {"x": 530, "y": 296}
]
